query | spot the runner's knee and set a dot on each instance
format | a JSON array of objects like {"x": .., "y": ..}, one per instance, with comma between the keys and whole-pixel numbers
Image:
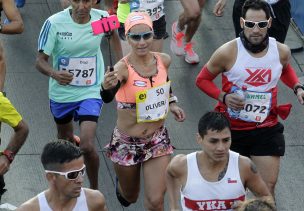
[
  {"x": 194, "y": 15},
  {"x": 155, "y": 201},
  {"x": 66, "y": 135},
  {"x": 131, "y": 196},
  {"x": 87, "y": 147},
  {"x": 271, "y": 185}
]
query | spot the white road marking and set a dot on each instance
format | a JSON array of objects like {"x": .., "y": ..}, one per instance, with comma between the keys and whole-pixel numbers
[{"x": 8, "y": 206}]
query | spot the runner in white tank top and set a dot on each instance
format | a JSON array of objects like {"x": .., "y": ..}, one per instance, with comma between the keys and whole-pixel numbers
[
  {"x": 260, "y": 76},
  {"x": 81, "y": 204},
  {"x": 64, "y": 168},
  {"x": 214, "y": 178},
  {"x": 201, "y": 194},
  {"x": 257, "y": 62}
]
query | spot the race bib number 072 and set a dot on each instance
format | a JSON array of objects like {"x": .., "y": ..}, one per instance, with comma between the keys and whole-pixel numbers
[{"x": 257, "y": 106}]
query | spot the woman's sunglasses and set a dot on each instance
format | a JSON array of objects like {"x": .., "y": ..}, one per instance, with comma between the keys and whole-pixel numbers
[
  {"x": 139, "y": 36},
  {"x": 70, "y": 175},
  {"x": 252, "y": 24}
]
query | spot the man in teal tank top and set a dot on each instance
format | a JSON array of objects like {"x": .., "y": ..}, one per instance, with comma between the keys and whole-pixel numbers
[{"x": 75, "y": 75}]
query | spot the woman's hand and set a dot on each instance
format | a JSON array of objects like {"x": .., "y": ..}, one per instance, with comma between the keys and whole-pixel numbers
[
  {"x": 218, "y": 9},
  {"x": 110, "y": 79},
  {"x": 178, "y": 113}
]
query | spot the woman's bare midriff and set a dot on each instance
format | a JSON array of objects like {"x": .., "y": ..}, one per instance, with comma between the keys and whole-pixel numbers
[{"x": 126, "y": 123}]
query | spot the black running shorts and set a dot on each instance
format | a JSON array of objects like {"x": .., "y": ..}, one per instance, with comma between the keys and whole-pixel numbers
[{"x": 268, "y": 141}]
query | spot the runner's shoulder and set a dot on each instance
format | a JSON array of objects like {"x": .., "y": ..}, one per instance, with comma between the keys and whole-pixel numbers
[
  {"x": 58, "y": 17},
  {"x": 95, "y": 199},
  {"x": 225, "y": 54},
  {"x": 284, "y": 51},
  {"x": 246, "y": 166},
  {"x": 229, "y": 48},
  {"x": 178, "y": 165},
  {"x": 120, "y": 65},
  {"x": 30, "y": 205},
  {"x": 166, "y": 59}
]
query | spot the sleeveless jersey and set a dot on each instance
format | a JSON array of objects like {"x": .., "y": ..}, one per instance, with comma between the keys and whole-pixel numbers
[
  {"x": 202, "y": 195},
  {"x": 136, "y": 83},
  {"x": 81, "y": 204},
  {"x": 260, "y": 76}
]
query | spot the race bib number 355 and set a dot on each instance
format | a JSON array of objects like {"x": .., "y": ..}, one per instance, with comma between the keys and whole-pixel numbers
[
  {"x": 155, "y": 8},
  {"x": 152, "y": 104},
  {"x": 83, "y": 69}
]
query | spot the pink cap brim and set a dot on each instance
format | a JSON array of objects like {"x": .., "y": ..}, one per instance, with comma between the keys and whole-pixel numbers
[{"x": 135, "y": 18}]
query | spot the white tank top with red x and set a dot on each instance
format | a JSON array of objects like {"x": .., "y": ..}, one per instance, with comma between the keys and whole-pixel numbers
[
  {"x": 201, "y": 195},
  {"x": 260, "y": 76}
]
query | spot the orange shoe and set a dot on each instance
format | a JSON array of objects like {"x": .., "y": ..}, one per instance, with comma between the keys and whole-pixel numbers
[
  {"x": 177, "y": 44},
  {"x": 191, "y": 57}
]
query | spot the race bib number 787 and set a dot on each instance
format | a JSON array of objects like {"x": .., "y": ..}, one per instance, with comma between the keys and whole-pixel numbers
[{"x": 83, "y": 69}]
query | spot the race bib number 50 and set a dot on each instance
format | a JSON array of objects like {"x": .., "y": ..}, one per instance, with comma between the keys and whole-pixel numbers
[
  {"x": 83, "y": 69},
  {"x": 152, "y": 104}
]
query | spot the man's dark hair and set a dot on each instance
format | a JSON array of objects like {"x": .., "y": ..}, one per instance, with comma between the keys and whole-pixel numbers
[
  {"x": 212, "y": 121},
  {"x": 58, "y": 152},
  {"x": 256, "y": 5}
]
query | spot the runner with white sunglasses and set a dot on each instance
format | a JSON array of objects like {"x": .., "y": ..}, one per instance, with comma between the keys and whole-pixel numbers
[
  {"x": 255, "y": 60},
  {"x": 64, "y": 167}
]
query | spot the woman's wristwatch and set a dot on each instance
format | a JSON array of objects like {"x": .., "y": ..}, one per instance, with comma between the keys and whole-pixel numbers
[{"x": 173, "y": 99}]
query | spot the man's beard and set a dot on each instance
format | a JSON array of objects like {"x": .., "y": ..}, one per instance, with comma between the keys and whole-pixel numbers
[{"x": 254, "y": 48}]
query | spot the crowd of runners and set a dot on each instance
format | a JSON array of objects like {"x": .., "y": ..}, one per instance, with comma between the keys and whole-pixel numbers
[{"x": 241, "y": 141}]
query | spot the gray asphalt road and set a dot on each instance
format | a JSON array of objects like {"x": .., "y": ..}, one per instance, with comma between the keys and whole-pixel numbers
[{"x": 27, "y": 89}]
